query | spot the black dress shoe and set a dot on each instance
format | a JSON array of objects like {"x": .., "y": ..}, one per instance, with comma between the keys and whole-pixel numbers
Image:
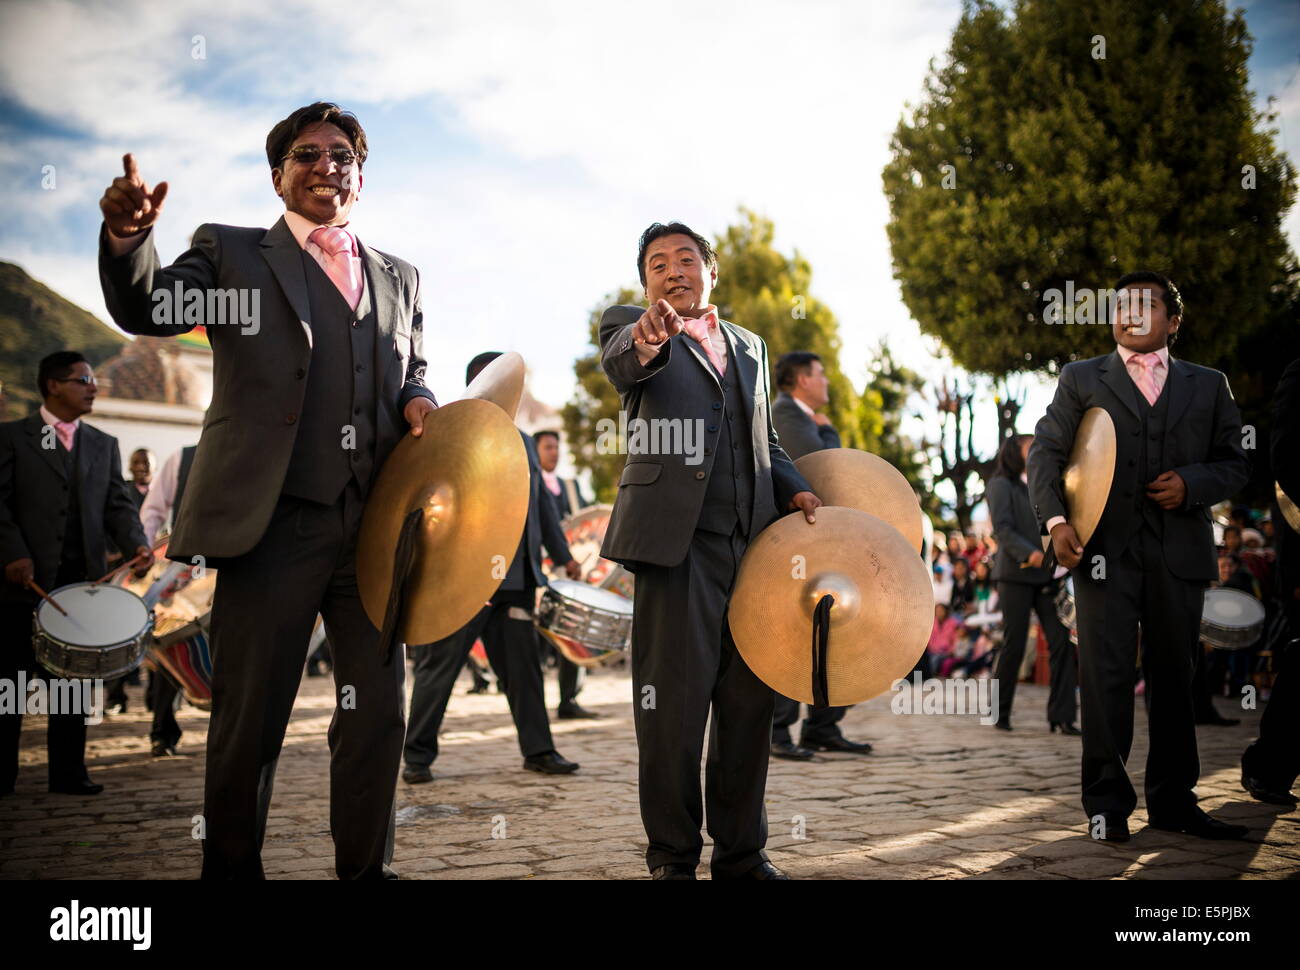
[
  {"x": 83, "y": 787},
  {"x": 160, "y": 749},
  {"x": 764, "y": 870},
  {"x": 790, "y": 751},
  {"x": 836, "y": 744},
  {"x": 550, "y": 763},
  {"x": 1202, "y": 826},
  {"x": 1216, "y": 719},
  {"x": 413, "y": 775},
  {"x": 1261, "y": 791},
  {"x": 390, "y": 873},
  {"x": 1114, "y": 830},
  {"x": 574, "y": 712},
  {"x": 1067, "y": 729},
  {"x": 1003, "y": 724},
  {"x": 673, "y": 870}
]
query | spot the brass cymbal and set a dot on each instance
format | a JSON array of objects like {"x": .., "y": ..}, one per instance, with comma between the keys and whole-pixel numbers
[
  {"x": 469, "y": 472},
  {"x": 1289, "y": 510},
  {"x": 880, "y": 623},
  {"x": 1089, "y": 472},
  {"x": 854, "y": 479},
  {"x": 501, "y": 382}
]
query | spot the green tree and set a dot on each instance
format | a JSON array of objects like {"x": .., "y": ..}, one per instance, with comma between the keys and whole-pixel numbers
[
  {"x": 1073, "y": 141},
  {"x": 760, "y": 289}
]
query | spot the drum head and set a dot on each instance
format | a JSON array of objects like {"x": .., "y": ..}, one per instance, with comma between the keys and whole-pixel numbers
[
  {"x": 601, "y": 599},
  {"x": 98, "y": 616},
  {"x": 1232, "y": 609}
]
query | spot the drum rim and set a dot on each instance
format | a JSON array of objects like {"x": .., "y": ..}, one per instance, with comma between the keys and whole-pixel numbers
[
  {"x": 39, "y": 632},
  {"x": 39, "y": 629}
]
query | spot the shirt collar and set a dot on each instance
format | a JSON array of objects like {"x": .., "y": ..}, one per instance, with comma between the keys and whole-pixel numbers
[
  {"x": 803, "y": 407},
  {"x": 552, "y": 480},
  {"x": 49, "y": 418},
  {"x": 302, "y": 227},
  {"x": 1126, "y": 354}
]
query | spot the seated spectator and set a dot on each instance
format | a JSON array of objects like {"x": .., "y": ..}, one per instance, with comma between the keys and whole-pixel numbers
[{"x": 943, "y": 636}]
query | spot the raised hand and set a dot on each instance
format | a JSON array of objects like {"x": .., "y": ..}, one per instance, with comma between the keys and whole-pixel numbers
[{"x": 129, "y": 205}]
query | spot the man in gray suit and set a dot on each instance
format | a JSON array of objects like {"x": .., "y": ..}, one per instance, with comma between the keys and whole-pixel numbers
[
  {"x": 62, "y": 499},
  {"x": 803, "y": 388},
  {"x": 319, "y": 371},
  {"x": 688, "y": 504}
]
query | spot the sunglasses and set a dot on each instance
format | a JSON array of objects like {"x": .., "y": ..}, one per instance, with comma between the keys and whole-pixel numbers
[
  {"x": 83, "y": 379},
  {"x": 310, "y": 156}
]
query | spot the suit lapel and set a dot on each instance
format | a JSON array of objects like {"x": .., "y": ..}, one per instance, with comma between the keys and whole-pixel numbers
[
  {"x": 746, "y": 362},
  {"x": 283, "y": 254},
  {"x": 700, "y": 356},
  {"x": 1180, "y": 390},
  {"x": 383, "y": 282},
  {"x": 35, "y": 434},
  {"x": 1115, "y": 376},
  {"x": 87, "y": 458}
]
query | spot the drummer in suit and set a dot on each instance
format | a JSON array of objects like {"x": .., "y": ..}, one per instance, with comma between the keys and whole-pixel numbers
[
  {"x": 506, "y": 626},
  {"x": 567, "y": 499},
  {"x": 62, "y": 499},
  {"x": 681, "y": 522},
  {"x": 1147, "y": 565},
  {"x": 802, "y": 390},
  {"x": 1025, "y": 584},
  {"x": 1270, "y": 765}
]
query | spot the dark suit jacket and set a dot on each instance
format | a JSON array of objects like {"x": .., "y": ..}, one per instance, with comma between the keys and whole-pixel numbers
[
  {"x": 1284, "y": 451},
  {"x": 34, "y": 502},
  {"x": 660, "y": 496},
  {"x": 258, "y": 379},
  {"x": 561, "y": 501},
  {"x": 1202, "y": 444},
  {"x": 1016, "y": 530},
  {"x": 542, "y": 526},
  {"x": 799, "y": 433}
]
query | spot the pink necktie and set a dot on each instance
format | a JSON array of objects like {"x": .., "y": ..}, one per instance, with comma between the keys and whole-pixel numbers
[
  {"x": 698, "y": 329},
  {"x": 66, "y": 430},
  {"x": 1146, "y": 380},
  {"x": 339, "y": 249}
]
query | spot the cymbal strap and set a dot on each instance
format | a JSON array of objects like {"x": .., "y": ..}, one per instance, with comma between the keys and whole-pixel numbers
[
  {"x": 403, "y": 561},
  {"x": 821, "y": 632}
]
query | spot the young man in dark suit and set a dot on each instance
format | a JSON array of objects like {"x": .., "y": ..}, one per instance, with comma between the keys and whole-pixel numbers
[
  {"x": 317, "y": 342},
  {"x": 682, "y": 520},
  {"x": 802, "y": 390},
  {"x": 62, "y": 499},
  {"x": 1178, "y": 451}
]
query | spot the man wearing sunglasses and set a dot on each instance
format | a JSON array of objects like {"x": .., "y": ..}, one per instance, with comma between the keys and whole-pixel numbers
[{"x": 306, "y": 406}]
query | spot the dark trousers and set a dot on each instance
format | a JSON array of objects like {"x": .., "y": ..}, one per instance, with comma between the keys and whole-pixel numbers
[
  {"x": 1138, "y": 591},
  {"x": 262, "y": 616},
  {"x": 821, "y": 724},
  {"x": 570, "y": 676},
  {"x": 1015, "y": 600},
  {"x": 685, "y": 663},
  {"x": 160, "y": 695},
  {"x": 1274, "y": 757},
  {"x": 513, "y": 652},
  {"x": 65, "y": 733}
]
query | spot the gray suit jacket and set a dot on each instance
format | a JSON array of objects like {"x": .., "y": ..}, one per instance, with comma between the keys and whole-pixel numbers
[
  {"x": 1202, "y": 444},
  {"x": 1016, "y": 530},
  {"x": 34, "y": 502},
  {"x": 660, "y": 496},
  {"x": 799, "y": 433},
  {"x": 259, "y": 378}
]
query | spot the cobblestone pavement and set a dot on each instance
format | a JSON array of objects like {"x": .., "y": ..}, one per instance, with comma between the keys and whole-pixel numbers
[{"x": 942, "y": 797}]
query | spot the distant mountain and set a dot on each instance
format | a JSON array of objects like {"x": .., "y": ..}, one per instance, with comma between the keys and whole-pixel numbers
[{"x": 35, "y": 321}]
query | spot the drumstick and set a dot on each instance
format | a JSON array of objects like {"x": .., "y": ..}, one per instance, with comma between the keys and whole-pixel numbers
[
  {"x": 105, "y": 578},
  {"x": 46, "y": 596}
]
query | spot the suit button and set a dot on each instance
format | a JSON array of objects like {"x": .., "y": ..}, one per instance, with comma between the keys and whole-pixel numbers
[
  {"x": 707, "y": 451},
  {"x": 360, "y": 368},
  {"x": 699, "y": 476},
  {"x": 290, "y": 418},
  {"x": 300, "y": 373},
  {"x": 356, "y": 324},
  {"x": 713, "y": 427},
  {"x": 717, "y": 405}
]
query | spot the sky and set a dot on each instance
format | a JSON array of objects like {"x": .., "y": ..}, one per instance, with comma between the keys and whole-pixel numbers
[{"x": 517, "y": 150}]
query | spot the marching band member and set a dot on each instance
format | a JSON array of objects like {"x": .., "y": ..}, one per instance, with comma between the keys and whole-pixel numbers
[
  {"x": 681, "y": 522},
  {"x": 313, "y": 390},
  {"x": 1146, "y": 567}
]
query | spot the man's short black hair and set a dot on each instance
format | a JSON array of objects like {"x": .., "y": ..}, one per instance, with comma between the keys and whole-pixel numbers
[
  {"x": 658, "y": 230},
  {"x": 1173, "y": 300},
  {"x": 790, "y": 367},
  {"x": 57, "y": 365},
  {"x": 548, "y": 433},
  {"x": 283, "y": 134},
  {"x": 476, "y": 365},
  {"x": 1231, "y": 528}
]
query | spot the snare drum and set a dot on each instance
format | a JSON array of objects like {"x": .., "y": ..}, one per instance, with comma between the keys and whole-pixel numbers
[
  {"x": 1231, "y": 619},
  {"x": 104, "y": 635},
  {"x": 586, "y": 624},
  {"x": 1065, "y": 609}
]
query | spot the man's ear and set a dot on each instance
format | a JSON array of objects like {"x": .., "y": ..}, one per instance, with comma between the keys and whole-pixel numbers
[
  {"x": 275, "y": 181},
  {"x": 713, "y": 276}
]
